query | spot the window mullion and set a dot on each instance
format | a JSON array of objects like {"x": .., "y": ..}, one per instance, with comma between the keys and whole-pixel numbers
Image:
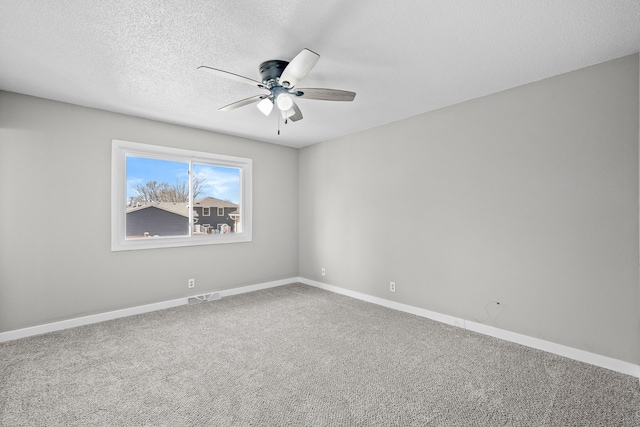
[{"x": 191, "y": 201}]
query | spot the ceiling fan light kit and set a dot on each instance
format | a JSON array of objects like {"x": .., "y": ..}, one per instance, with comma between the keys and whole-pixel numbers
[{"x": 280, "y": 78}]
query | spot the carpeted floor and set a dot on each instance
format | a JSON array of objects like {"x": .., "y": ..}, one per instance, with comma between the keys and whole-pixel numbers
[{"x": 298, "y": 356}]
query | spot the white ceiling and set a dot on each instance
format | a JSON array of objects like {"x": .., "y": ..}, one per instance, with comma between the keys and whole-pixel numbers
[{"x": 401, "y": 58}]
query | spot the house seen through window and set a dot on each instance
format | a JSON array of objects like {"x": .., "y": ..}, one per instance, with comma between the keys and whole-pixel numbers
[{"x": 169, "y": 193}]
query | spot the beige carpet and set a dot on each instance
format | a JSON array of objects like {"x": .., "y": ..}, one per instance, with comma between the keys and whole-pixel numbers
[{"x": 298, "y": 356}]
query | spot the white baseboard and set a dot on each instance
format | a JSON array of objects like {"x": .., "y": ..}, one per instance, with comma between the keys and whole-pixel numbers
[
  {"x": 87, "y": 320},
  {"x": 258, "y": 287},
  {"x": 550, "y": 347},
  {"x": 101, "y": 317}
]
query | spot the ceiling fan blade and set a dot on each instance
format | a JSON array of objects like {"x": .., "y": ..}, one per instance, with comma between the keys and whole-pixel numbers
[
  {"x": 242, "y": 103},
  {"x": 298, "y": 68},
  {"x": 236, "y": 77},
  {"x": 325, "y": 94},
  {"x": 294, "y": 114}
]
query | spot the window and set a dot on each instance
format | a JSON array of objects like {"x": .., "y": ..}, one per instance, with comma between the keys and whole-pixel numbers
[{"x": 158, "y": 193}]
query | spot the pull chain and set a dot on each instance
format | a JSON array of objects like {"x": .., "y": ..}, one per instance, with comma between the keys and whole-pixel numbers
[{"x": 285, "y": 122}]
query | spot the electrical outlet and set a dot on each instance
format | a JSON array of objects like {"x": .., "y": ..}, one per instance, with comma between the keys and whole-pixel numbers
[
  {"x": 192, "y": 283},
  {"x": 323, "y": 271},
  {"x": 392, "y": 286}
]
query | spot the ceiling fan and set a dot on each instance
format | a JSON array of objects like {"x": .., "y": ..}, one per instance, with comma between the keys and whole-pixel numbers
[{"x": 280, "y": 79}]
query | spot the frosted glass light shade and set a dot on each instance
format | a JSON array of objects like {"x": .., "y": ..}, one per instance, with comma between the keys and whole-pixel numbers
[
  {"x": 284, "y": 102},
  {"x": 265, "y": 106}
]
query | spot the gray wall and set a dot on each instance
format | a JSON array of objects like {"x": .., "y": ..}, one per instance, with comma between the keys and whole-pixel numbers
[
  {"x": 56, "y": 158},
  {"x": 528, "y": 197}
]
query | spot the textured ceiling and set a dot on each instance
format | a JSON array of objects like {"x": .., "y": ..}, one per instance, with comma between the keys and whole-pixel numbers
[{"x": 401, "y": 58}]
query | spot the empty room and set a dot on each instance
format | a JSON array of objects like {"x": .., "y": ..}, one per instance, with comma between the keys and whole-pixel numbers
[{"x": 310, "y": 213}]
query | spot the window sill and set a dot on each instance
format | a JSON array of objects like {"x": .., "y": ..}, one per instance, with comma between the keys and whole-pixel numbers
[{"x": 174, "y": 242}]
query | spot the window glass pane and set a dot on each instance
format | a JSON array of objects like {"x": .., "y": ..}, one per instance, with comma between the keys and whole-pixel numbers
[
  {"x": 152, "y": 188},
  {"x": 218, "y": 189},
  {"x": 157, "y": 197}
]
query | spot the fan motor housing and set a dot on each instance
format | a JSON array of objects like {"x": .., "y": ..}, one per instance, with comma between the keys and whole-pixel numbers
[{"x": 272, "y": 69}]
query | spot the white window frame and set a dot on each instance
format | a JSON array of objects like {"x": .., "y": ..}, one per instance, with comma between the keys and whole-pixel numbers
[
  {"x": 207, "y": 210},
  {"x": 120, "y": 150},
  {"x": 219, "y": 212}
]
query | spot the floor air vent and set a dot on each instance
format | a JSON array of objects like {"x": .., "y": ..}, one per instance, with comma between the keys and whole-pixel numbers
[{"x": 197, "y": 299}]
